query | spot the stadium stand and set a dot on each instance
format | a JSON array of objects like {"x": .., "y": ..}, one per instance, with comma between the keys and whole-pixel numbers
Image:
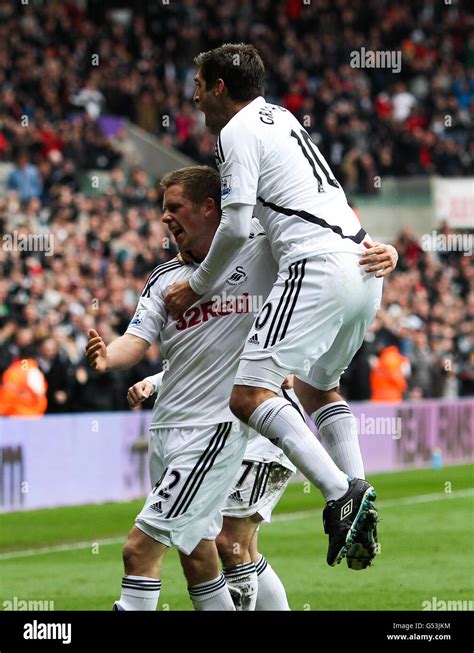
[{"x": 60, "y": 118}]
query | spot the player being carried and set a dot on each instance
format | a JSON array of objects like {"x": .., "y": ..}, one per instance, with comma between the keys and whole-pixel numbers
[
  {"x": 196, "y": 445},
  {"x": 321, "y": 305}
]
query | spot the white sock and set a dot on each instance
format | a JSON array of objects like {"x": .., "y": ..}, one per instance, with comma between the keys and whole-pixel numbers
[
  {"x": 338, "y": 428},
  {"x": 139, "y": 593},
  {"x": 281, "y": 423},
  {"x": 271, "y": 593},
  {"x": 243, "y": 585},
  {"x": 212, "y": 595}
]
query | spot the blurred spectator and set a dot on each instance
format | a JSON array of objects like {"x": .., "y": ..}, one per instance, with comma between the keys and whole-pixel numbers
[
  {"x": 421, "y": 361},
  {"x": 57, "y": 371},
  {"x": 25, "y": 179},
  {"x": 466, "y": 376}
]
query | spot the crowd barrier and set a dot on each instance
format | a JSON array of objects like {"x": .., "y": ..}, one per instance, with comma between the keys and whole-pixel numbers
[{"x": 62, "y": 460}]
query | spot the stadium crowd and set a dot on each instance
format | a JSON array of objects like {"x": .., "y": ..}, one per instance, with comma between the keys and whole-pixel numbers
[
  {"x": 104, "y": 247},
  {"x": 367, "y": 122},
  {"x": 61, "y": 58}
]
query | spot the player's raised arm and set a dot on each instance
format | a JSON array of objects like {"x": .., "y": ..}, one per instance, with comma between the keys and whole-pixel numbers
[{"x": 121, "y": 353}]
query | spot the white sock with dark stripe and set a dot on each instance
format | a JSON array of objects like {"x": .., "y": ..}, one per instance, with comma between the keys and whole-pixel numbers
[
  {"x": 139, "y": 593},
  {"x": 271, "y": 594},
  {"x": 243, "y": 584},
  {"x": 281, "y": 423},
  {"x": 338, "y": 428},
  {"x": 212, "y": 595}
]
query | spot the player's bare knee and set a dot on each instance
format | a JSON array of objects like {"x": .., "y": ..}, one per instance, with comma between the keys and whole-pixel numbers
[
  {"x": 245, "y": 399},
  {"x": 141, "y": 555},
  {"x": 311, "y": 398},
  {"x": 239, "y": 401},
  {"x": 132, "y": 556},
  {"x": 198, "y": 569},
  {"x": 323, "y": 397},
  {"x": 231, "y": 552}
]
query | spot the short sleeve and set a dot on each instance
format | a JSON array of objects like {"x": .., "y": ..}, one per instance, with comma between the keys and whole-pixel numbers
[
  {"x": 150, "y": 315},
  {"x": 238, "y": 154}
]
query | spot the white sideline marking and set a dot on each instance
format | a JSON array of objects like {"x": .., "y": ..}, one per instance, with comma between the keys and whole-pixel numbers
[
  {"x": 292, "y": 516},
  {"x": 61, "y": 547}
]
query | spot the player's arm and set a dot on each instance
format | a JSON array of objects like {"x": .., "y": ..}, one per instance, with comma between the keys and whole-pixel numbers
[
  {"x": 379, "y": 258},
  {"x": 239, "y": 171},
  {"x": 120, "y": 354},
  {"x": 143, "y": 389},
  {"x": 232, "y": 233},
  {"x": 143, "y": 330}
]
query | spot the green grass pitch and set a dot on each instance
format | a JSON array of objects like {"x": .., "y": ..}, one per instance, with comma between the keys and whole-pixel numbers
[{"x": 426, "y": 534}]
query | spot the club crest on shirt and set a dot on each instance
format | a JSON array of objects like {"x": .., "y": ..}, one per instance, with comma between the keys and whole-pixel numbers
[
  {"x": 139, "y": 316},
  {"x": 226, "y": 187},
  {"x": 237, "y": 277}
]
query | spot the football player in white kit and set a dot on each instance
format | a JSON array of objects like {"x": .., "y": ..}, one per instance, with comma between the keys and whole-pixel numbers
[
  {"x": 260, "y": 482},
  {"x": 196, "y": 446},
  {"x": 318, "y": 311}
]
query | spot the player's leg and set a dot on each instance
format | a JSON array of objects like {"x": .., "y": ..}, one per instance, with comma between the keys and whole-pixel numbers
[
  {"x": 293, "y": 336},
  {"x": 271, "y": 593},
  {"x": 257, "y": 489},
  {"x": 336, "y": 425},
  {"x": 233, "y": 544},
  {"x": 278, "y": 420},
  {"x": 195, "y": 471},
  {"x": 143, "y": 560},
  {"x": 338, "y": 429},
  {"x": 280, "y": 338},
  {"x": 318, "y": 393},
  {"x": 207, "y": 586}
]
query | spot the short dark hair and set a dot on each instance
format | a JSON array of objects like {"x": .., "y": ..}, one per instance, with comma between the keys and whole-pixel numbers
[
  {"x": 198, "y": 182},
  {"x": 239, "y": 65}
]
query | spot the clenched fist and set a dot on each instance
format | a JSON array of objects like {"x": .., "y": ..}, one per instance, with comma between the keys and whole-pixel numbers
[{"x": 139, "y": 392}]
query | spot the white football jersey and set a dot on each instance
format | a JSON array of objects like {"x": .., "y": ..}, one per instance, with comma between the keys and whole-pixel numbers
[
  {"x": 267, "y": 159},
  {"x": 201, "y": 350}
]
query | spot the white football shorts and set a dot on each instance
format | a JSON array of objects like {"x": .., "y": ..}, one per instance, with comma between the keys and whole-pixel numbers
[
  {"x": 312, "y": 323},
  {"x": 192, "y": 471},
  {"x": 257, "y": 489}
]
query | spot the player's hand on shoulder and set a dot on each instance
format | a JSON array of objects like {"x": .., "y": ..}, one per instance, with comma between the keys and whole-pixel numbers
[
  {"x": 288, "y": 382},
  {"x": 179, "y": 298},
  {"x": 139, "y": 392},
  {"x": 379, "y": 258},
  {"x": 96, "y": 352}
]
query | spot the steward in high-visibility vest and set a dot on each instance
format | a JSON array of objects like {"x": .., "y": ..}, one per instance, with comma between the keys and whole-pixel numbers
[
  {"x": 387, "y": 377},
  {"x": 23, "y": 389}
]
